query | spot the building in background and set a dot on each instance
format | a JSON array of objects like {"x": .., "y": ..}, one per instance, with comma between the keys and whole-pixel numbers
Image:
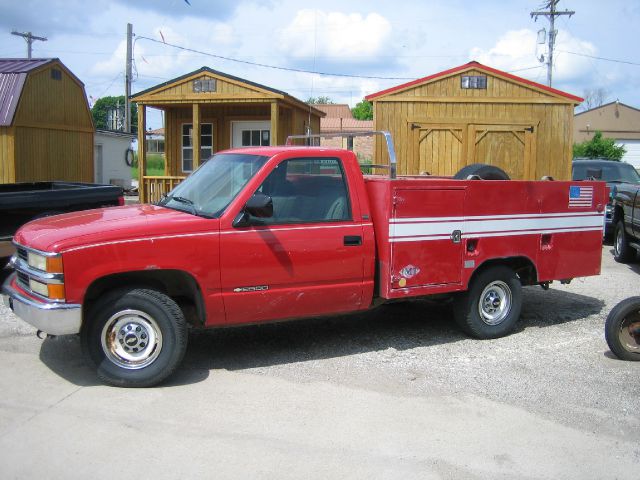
[
  {"x": 226, "y": 112},
  {"x": 615, "y": 120},
  {"x": 477, "y": 114},
  {"x": 339, "y": 119},
  {"x": 113, "y": 157},
  {"x": 46, "y": 129}
]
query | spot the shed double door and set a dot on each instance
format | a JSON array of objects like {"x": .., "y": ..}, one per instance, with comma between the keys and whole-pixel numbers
[{"x": 445, "y": 148}]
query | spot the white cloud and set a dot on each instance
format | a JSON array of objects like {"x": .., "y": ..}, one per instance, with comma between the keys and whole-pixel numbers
[
  {"x": 518, "y": 50},
  {"x": 347, "y": 37}
]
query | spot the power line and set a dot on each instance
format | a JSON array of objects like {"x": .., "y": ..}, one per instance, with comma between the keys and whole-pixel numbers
[
  {"x": 287, "y": 69},
  {"x": 600, "y": 58}
]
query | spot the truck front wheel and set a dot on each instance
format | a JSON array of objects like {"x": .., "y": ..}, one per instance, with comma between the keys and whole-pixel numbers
[
  {"x": 491, "y": 306},
  {"x": 135, "y": 338}
]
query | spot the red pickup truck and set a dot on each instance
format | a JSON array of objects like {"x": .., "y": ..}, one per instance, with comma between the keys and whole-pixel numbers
[{"x": 275, "y": 233}]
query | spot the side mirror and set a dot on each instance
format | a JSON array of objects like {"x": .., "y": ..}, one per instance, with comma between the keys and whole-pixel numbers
[{"x": 260, "y": 205}]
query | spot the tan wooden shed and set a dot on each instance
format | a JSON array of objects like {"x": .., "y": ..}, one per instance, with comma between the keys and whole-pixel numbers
[
  {"x": 477, "y": 114},
  {"x": 228, "y": 111},
  {"x": 46, "y": 129}
]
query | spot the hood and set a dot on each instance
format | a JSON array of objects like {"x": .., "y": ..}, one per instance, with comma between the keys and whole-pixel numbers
[{"x": 62, "y": 232}]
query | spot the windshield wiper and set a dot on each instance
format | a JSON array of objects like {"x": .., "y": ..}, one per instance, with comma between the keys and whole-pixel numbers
[{"x": 183, "y": 200}]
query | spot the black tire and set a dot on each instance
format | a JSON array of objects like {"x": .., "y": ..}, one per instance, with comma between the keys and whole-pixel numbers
[
  {"x": 482, "y": 170},
  {"x": 622, "y": 251},
  {"x": 491, "y": 307},
  {"x": 622, "y": 329},
  {"x": 152, "y": 339}
]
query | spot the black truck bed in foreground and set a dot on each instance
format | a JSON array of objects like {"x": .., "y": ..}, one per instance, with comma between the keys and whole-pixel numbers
[{"x": 21, "y": 202}]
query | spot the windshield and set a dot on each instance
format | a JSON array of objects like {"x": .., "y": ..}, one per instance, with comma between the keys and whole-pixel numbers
[
  {"x": 212, "y": 187},
  {"x": 611, "y": 172}
]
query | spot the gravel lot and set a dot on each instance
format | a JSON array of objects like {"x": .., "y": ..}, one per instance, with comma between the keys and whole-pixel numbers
[{"x": 397, "y": 391}]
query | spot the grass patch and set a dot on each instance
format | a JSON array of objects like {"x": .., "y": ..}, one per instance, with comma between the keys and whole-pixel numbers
[{"x": 155, "y": 165}]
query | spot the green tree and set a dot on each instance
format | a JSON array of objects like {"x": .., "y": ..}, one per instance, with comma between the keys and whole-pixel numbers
[
  {"x": 102, "y": 106},
  {"x": 363, "y": 110},
  {"x": 599, "y": 147},
  {"x": 319, "y": 101}
]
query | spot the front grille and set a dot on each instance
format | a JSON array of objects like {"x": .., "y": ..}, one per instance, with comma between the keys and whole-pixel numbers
[
  {"x": 23, "y": 280},
  {"x": 22, "y": 254}
]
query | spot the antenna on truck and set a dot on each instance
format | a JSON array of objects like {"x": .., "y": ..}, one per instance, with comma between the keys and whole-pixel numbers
[{"x": 384, "y": 133}]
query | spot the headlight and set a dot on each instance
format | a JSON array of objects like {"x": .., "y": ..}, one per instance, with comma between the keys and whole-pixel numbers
[
  {"x": 53, "y": 291},
  {"x": 49, "y": 264}
]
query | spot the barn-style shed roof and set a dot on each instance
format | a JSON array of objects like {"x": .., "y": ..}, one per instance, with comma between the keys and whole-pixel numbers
[
  {"x": 473, "y": 65},
  {"x": 13, "y": 75}
]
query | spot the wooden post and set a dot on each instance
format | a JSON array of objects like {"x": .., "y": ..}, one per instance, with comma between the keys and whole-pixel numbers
[
  {"x": 275, "y": 120},
  {"x": 142, "y": 151},
  {"x": 195, "y": 135}
]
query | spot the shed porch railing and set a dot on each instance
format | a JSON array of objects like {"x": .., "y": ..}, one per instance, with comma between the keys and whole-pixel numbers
[{"x": 154, "y": 187}]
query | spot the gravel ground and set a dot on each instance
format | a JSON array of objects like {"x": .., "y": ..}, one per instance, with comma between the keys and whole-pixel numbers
[{"x": 557, "y": 364}]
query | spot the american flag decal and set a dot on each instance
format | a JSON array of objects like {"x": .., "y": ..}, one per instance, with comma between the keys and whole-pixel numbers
[{"x": 580, "y": 196}]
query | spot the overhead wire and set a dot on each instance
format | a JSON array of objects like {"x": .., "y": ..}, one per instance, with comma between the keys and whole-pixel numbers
[{"x": 275, "y": 67}]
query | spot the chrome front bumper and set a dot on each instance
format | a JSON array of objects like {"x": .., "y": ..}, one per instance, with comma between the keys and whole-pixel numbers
[{"x": 51, "y": 318}]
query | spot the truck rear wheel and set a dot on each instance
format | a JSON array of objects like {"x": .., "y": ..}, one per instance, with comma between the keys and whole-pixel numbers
[
  {"x": 491, "y": 307},
  {"x": 622, "y": 329},
  {"x": 135, "y": 338},
  {"x": 622, "y": 251}
]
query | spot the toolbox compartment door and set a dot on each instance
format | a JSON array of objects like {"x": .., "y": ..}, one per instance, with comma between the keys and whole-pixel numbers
[{"x": 425, "y": 237}]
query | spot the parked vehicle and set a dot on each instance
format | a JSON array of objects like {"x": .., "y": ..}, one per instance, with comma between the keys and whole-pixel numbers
[
  {"x": 626, "y": 218},
  {"x": 611, "y": 172},
  {"x": 276, "y": 233},
  {"x": 21, "y": 202},
  {"x": 622, "y": 329}
]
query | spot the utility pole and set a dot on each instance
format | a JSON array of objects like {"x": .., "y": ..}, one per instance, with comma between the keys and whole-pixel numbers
[
  {"x": 127, "y": 81},
  {"x": 551, "y": 15},
  {"x": 29, "y": 38}
]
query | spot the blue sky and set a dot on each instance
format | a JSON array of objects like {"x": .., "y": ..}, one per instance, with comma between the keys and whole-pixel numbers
[{"x": 399, "y": 41}]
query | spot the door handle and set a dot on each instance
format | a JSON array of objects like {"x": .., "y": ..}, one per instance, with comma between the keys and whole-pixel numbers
[
  {"x": 352, "y": 240},
  {"x": 456, "y": 236}
]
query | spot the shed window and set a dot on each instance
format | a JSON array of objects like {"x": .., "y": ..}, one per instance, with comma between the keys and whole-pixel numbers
[
  {"x": 204, "y": 85},
  {"x": 474, "y": 81},
  {"x": 56, "y": 74},
  {"x": 256, "y": 138},
  {"x": 206, "y": 144}
]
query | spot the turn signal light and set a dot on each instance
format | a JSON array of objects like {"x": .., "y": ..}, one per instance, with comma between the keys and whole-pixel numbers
[
  {"x": 54, "y": 264},
  {"x": 56, "y": 291}
]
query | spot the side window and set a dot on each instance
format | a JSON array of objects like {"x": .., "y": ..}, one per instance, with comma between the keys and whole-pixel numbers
[{"x": 307, "y": 190}]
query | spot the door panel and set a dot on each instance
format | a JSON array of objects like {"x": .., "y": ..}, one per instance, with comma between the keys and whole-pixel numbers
[
  {"x": 505, "y": 146},
  {"x": 306, "y": 259},
  {"x": 440, "y": 149},
  {"x": 425, "y": 250},
  {"x": 250, "y": 133},
  {"x": 273, "y": 273}
]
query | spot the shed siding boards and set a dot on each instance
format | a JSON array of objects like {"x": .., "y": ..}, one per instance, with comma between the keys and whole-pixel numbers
[
  {"x": 439, "y": 127},
  {"x": 51, "y": 132},
  {"x": 232, "y": 100}
]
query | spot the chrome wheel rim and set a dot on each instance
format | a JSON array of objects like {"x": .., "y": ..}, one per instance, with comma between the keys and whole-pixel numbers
[
  {"x": 629, "y": 332},
  {"x": 618, "y": 244},
  {"x": 495, "y": 303},
  {"x": 131, "y": 339}
]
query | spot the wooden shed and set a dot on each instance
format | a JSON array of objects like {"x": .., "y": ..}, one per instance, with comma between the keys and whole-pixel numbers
[
  {"x": 228, "y": 112},
  {"x": 46, "y": 129},
  {"x": 477, "y": 114}
]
